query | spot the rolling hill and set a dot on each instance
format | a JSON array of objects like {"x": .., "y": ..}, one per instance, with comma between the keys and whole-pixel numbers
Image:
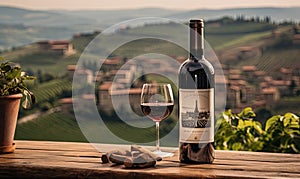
[
  {"x": 23, "y": 26},
  {"x": 277, "y": 14}
]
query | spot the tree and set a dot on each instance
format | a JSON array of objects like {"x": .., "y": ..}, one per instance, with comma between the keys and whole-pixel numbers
[
  {"x": 284, "y": 40},
  {"x": 267, "y": 19}
]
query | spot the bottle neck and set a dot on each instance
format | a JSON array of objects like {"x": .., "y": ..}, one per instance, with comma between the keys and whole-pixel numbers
[{"x": 196, "y": 40}]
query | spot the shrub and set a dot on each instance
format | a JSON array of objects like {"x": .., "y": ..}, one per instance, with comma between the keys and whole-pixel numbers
[
  {"x": 242, "y": 132},
  {"x": 13, "y": 81}
]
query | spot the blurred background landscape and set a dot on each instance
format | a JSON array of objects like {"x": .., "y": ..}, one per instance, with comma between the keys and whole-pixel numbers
[{"x": 258, "y": 47}]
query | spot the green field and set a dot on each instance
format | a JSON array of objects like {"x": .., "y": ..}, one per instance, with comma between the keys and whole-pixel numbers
[
  {"x": 61, "y": 127},
  {"x": 51, "y": 89},
  {"x": 229, "y": 35},
  {"x": 274, "y": 59},
  {"x": 53, "y": 127}
]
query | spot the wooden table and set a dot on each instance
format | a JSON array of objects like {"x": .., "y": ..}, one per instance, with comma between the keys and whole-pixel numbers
[{"x": 36, "y": 159}]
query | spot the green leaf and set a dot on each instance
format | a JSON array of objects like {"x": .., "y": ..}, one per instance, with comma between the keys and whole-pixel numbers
[
  {"x": 295, "y": 148},
  {"x": 258, "y": 127},
  {"x": 287, "y": 118},
  {"x": 240, "y": 124},
  {"x": 270, "y": 122},
  {"x": 33, "y": 100},
  {"x": 29, "y": 98},
  {"x": 237, "y": 146},
  {"x": 28, "y": 77},
  {"x": 26, "y": 103},
  {"x": 247, "y": 113},
  {"x": 6, "y": 67},
  {"x": 248, "y": 123}
]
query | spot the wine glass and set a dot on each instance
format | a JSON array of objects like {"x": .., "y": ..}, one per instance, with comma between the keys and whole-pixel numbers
[{"x": 157, "y": 103}]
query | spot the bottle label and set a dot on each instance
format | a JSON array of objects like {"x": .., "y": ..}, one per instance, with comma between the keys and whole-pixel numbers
[{"x": 196, "y": 117}]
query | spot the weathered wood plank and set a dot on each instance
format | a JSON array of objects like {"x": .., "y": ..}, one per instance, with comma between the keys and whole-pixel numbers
[{"x": 80, "y": 160}]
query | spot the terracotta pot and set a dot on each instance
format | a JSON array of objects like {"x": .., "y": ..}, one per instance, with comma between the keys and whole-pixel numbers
[{"x": 9, "y": 109}]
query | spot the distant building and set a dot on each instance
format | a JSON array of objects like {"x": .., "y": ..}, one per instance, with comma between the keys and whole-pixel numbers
[
  {"x": 87, "y": 35},
  {"x": 61, "y": 47},
  {"x": 282, "y": 86},
  {"x": 84, "y": 100},
  {"x": 112, "y": 64},
  {"x": 66, "y": 105},
  {"x": 296, "y": 39},
  {"x": 286, "y": 73},
  {"x": 247, "y": 52},
  {"x": 234, "y": 96},
  {"x": 296, "y": 75},
  {"x": 249, "y": 71},
  {"x": 111, "y": 99},
  {"x": 86, "y": 76},
  {"x": 250, "y": 68},
  {"x": 70, "y": 71},
  {"x": 259, "y": 75},
  {"x": 270, "y": 95}
]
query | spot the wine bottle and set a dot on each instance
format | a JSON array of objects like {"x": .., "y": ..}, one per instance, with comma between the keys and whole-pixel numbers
[{"x": 196, "y": 102}]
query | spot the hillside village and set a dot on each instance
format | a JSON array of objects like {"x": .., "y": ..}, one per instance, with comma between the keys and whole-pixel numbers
[
  {"x": 240, "y": 92},
  {"x": 246, "y": 86},
  {"x": 249, "y": 86}
]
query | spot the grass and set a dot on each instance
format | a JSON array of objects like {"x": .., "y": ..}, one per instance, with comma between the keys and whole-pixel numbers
[
  {"x": 144, "y": 46},
  {"x": 14, "y": 54},
  {"x": 240, "y": 28},
  {"x": 61, "y": 127},
  {"x": 51, "y": 89},
  {"x": 52, "y": 127},
  {"x": 45, "y": 62},
  {"x": 243, "y": 39}
]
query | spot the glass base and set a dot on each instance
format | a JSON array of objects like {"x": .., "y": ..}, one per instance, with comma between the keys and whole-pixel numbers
[{"x": 163, "y": 154}]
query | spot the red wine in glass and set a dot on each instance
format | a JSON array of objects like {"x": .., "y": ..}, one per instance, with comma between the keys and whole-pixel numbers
[
  {"x": 157, "y": 111},
  {"x": 157, "y": 103}
]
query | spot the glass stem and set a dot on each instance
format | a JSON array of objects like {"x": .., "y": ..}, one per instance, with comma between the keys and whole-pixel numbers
[{"x": 157, "y": 135}]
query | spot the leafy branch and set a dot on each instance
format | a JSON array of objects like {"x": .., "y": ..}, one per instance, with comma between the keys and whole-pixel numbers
[
  {"x": 242, "y": 132},
  {"x": 13, "y": 81}
]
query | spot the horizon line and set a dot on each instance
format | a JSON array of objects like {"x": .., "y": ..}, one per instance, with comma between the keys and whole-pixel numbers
[{"x": 148, "y": 7}]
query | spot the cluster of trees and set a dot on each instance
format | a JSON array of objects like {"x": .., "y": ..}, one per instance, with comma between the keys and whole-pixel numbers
[
  {"x": 254, "y": 19},
  {"x": 257, "y": 19},
  {"x": 242, "y": 19},
  {"x": 41, "y": 77}
]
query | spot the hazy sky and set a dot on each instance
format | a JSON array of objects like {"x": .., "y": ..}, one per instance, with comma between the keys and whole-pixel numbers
[{"x": 170, "y": 4}]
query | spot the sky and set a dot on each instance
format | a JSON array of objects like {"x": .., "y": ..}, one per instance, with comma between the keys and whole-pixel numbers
[{"x": 133, "y": 4}]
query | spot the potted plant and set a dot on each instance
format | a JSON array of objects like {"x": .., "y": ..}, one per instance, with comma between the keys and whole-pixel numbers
[{"x": 12, "y": 89}]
